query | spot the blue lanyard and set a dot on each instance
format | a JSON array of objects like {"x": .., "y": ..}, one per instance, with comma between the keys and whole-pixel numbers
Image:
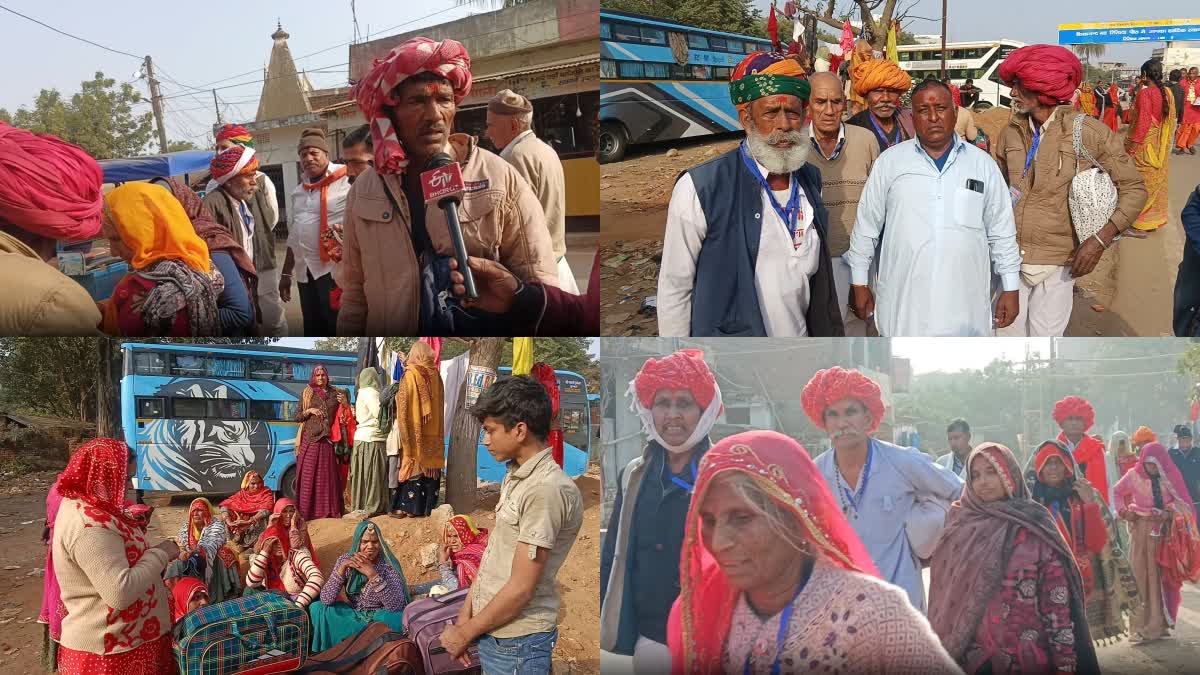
[
  {"x": 789, "y": 214},
  {"x": 690, "y": 487},
  {"x": 784, "y": 619},
  {"x": 1037, "y": 138},
  {"x": 854, "y": 498},
  {"x": 882, "y": 135}
]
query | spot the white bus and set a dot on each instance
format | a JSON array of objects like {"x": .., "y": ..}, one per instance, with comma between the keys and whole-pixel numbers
[{"x": 979, "y": 61}]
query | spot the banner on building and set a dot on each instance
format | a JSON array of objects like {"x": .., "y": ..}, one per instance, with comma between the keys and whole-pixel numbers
[{"x": 1162, "y": 30}]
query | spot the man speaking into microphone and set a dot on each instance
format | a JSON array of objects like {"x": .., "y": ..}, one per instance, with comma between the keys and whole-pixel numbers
[{"x": 392, "y": 229}]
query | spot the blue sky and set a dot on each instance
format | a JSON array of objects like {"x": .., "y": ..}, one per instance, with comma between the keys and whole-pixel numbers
[{"x": 193, "y": 45}]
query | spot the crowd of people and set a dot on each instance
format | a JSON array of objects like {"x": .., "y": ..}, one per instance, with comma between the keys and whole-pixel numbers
[
  {"x": 785, "y": 236},
  {"x": 111, "y": 597},
  {"x": 742, "y": 555},
  {"x": 365, "y": 252}
]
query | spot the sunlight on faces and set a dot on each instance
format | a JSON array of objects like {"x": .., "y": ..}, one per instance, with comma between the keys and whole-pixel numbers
[
  {"x": 289, "y": 513},
  {"x": 884, "y": 102},
  {"x": 314, "y": 161},
  {"x": 933, "y": 115},
  {"x": 223, "y": 145},
  {"x": 198, "y": 518},
  {"x": 740, "y": 536},
  {"x": 321, "y": 376},
  {"x": 254, "y": 483},
  {"x": 357, "y": 159},
  {"x": 1054, "y": 472},
  {"x": 502, "y": 129},
  {"x": 115, "y": 243},
  {"x": 242, "y": 186},
  {"x": 847, "y": 422},
  {"x": 451, "y": 539},
  {"x": 676, "y": 414},
  {"x": 1023, "y": 100},
  {"x": 986, "y": 481},
  {"x": 369, "y": 545},
  {"x": 503, "y": 444},
  {"x": 775, "y": 132},
  {"x": 423, "y": 115},
  {"x": 827, "y": 103}
]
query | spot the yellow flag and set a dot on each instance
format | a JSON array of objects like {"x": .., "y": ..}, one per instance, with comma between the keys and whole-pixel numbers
[
  {"x": 892, "y": 55},
  {"x": 522, "y": 355}
]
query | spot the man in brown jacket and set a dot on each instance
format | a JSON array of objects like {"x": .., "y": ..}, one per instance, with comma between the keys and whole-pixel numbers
[
  {"x": 410, "y": 98},
  {"x": 1037, "y": 157}
]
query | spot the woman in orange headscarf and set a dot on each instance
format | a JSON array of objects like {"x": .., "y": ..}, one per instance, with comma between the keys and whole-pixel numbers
[
  {"x": 204, "y": 553},
  {"x": 422, "y": 434}
]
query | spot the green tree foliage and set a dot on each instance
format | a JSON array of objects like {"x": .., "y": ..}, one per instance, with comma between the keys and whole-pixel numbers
[
  {"x": 735, "y": 16},
  {"x": 179, "y": 146},
  {"x": 100, "y": 118}
]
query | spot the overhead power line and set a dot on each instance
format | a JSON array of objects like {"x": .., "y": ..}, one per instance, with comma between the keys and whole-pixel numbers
[{"x": 70, "y": 35}]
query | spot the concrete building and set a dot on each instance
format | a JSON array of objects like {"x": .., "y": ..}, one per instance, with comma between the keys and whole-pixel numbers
[
  {"x": 1178, "y": 55},
  {"x": 757, "y": 392}
]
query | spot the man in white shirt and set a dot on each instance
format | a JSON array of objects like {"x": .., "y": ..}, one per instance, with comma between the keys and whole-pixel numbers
[
  {"x": 315, "y": 234},
  {"x": 946, "y": 208},
  {"x": 745, "y": 249},
  {"x": 958, "y": 435}
]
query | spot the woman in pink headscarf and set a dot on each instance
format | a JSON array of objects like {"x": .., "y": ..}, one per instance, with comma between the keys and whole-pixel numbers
[{"x": 1165, "y": 546}]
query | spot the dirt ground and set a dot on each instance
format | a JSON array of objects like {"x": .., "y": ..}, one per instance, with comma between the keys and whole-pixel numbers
[
  {"x": 22, "y": 558},
  {"x": 1128, "y": 294}
]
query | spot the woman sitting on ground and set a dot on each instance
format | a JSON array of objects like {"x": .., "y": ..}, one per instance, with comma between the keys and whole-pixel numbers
[
  {"x": 772, "y": 575},
  {"x": 284, "y": 558},
  {"x": 458, "y": 557},
  {"x": 1005, "y": 595},
  {"x": 188, "y": 595},
  {"x": 246, "y": 512},
  {"x": 203, "y": 553},
  {"x": 370, "y": 579}
]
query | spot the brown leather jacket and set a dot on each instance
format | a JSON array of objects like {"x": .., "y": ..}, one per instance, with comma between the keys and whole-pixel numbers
[
  {"x": 1044, "y": 231},
  {"x": 380, "y": 278}
]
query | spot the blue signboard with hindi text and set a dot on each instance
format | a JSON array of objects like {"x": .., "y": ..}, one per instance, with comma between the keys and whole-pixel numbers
[{"x": 1161, "y": 30}]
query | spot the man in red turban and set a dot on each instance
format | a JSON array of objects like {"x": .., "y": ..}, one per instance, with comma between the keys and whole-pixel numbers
[
  {"x": 894, "y": 497},
  {"x": 49, "y": 192},
  {"x": 410, "y": 99},
  {"x": 678, "y": 400},
  {"x": 1074, "y": 415},
  {"x": 1043, "y": 79}
]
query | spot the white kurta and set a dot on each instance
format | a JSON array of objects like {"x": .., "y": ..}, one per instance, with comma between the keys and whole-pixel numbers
[
  {"x": 935, "y": 276},
  {"x": 304, "y": 229},
  {"x": 782, "y": 268}
]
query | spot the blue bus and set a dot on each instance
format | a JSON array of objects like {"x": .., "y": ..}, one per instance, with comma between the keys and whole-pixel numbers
[
  {"x": 197, "y": 417},
  {"x": 660, "y": 81}
]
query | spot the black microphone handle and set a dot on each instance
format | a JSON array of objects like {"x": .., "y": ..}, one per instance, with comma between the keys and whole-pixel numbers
[{"x": 450, "y": 207}]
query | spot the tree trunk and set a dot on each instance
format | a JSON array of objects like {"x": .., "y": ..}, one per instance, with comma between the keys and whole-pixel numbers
[
  {"x": 108, "y": 397},
  {"x": 462, "y": 465}
]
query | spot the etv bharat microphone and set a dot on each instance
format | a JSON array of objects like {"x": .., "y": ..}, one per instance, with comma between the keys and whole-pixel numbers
[{"x": 442, "y": 182}]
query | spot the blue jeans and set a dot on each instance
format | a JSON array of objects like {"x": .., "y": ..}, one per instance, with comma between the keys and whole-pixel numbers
[{"x": 525, "y": 655}]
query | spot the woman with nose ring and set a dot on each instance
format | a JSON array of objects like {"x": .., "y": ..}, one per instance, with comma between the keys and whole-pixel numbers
[
  {"x": 1005, "y": 595},
  {"x": 776, "y": 581},
  {"x": 678, "y": 401}
]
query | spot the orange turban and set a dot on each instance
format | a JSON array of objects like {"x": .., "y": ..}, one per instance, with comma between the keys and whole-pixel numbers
[
  {"x": 685, "y": 369},
  {"x": 1143, "y": 435},
  {"x": 834, "y": 384},
  {"x": 1074, "y": 406},
  {"x": 879, "y": 74}
]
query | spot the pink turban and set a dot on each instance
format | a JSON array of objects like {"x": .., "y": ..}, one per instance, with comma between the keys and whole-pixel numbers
[
  {"x": 49, "y": 187},
  {"x": 374, "y": 93},
  {"x": 1051, "y": 71},
  {"x": 1074, "y": 406},
  {"x": 685, "y": 369},
  {"x": 834, "y": 384}
]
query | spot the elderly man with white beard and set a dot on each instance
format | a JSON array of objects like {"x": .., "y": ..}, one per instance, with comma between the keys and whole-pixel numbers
[{"x": 745, "y": 250}]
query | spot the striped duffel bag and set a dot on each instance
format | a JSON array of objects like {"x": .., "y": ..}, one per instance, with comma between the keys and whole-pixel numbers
[{"x": 252, "y": 635}]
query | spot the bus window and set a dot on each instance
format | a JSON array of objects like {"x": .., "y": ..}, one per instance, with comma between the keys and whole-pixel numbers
[
  {"x": 605, "y": 31},
  {"x": 188, "y": 365},
  {"x": 268, "y": 369},
  {"x": 224, "y": 367},
  {"x": 226, "y": 409},
  {"x": 697, "y": 41},
  {"x": 656, "y": 71},
  {"x": 653, "y": 36},
  {"x": 189, "y": 408},
  {"x": 700, "y": 72},
  {"x": 624, "y": 31},
  {"x": 273, "y": 411},
  {"x": 721, "y": 72},
  {"x": 149, "y": 407},
  {"x": 149, "y": 364},
  {"x": 718, "y": 44},
  {"x": 339, "y": 374},
  {"x": 632, "y": 69},
  {"x": 608, "y": 69},
  {"x": 572, "y": 421},
  {"x": 679, "y": 72}
]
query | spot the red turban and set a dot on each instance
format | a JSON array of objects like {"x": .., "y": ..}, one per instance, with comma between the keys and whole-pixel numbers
[
  {"x": 235, "y": 161},
  {"x": 685, "y": 369},
  {"x": 834, "y": 384},
  {"x": 1051, "y": 71},
  {"x": 1074, "y": 406},
  {"x": 237, "y": 134},
  {"x": 374, "y": 93},
  {"x": 49, "y": 187}
]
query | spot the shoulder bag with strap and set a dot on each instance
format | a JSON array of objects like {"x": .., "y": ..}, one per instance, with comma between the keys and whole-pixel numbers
[{"x": 1093, "y": 196}]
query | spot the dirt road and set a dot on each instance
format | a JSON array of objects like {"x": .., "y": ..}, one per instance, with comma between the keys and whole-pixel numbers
[
  {"x": 1128, "y": 294},
  {"x": 22, "y": 557}
]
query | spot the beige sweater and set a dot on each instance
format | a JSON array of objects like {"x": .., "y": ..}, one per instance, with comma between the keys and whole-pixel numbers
[
  {"x": 50, "y": 303},
  {"x": 96, "y": 577},
  {"x": 538, "y": 164},
  {"x": 842, "y": 182}
]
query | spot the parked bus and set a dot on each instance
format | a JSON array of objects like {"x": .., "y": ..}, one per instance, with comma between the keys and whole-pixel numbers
[
  {"x": 660, "y": 81},
  {"x": 197, "y": 417},
  {"x": 979, "y": 61}
]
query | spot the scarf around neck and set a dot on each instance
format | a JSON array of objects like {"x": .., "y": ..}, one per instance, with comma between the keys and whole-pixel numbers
[{"x": 326, "y": 230}]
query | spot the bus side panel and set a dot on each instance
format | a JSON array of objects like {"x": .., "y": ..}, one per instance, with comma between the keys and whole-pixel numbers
[
  {"x": 128, "y": 427},
  {"x": 283, "y": 439},
  {"x": 489, "y": 470},
  {"x": 663, "y": 111}
]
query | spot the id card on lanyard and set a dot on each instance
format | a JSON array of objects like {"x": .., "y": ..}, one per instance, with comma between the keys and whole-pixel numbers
[
  {"x": 1013, "y": 191},
  {"x": 790, "y": 214}
]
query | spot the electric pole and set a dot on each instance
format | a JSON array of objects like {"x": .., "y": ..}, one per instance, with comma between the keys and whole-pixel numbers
[
  {"x": 217, "y": 107},
  {"x": 156, "y": 104},
  {"x": 944, "y": 39}
]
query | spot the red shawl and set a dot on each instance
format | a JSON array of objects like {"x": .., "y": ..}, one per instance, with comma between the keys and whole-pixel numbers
[
  {"x": 249, "y": 503},
  {"x": 466, "y": 560},
  {"x": 1089, "y": 454},
  {"x": 182, "y": 594},
  {"x": 96, "y": 476},
  {"x": 544, "y": 373},
  {"x": 780, "y": 467}
]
